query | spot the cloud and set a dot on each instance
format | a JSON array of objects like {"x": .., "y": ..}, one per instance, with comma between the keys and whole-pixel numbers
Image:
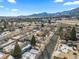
[
  {"x": 70, "y": 8},
  {"x": 1, "y": 6},
  {"x": 71, "y": 3},
  {"x": 59, "y": 1},
  {"x": 12, "y": 1},
  {"x": 14, "y": 10}
]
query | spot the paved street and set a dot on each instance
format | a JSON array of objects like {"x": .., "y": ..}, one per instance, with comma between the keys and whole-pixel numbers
[{"x": 47, "y": 53}]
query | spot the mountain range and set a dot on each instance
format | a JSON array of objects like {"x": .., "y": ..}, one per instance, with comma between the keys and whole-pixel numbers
[{"x": 73, "y": 12}]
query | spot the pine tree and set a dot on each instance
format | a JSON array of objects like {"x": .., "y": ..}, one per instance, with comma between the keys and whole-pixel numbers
[
  {"x": 17, "y": 51},
  {"x": 33, "y": 41},
  {"x": 42, "y": 25},
  {"x": 73, "y": 34},
  {"x": 60, "y": 32},
  {"x": 49, "y": 21}
]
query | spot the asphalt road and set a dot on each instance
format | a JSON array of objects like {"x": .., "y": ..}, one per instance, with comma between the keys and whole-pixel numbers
[{"x": 47, "y": 53}]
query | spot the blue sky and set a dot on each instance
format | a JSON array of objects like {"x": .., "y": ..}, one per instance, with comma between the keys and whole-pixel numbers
[{"x": 27, "y": 7}]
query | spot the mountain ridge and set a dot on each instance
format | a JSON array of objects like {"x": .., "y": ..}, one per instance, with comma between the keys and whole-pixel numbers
[{"x": 73, "y": 12}]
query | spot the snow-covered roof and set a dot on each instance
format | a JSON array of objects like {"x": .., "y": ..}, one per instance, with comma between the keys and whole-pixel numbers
[
  {"x": 10, "y": 57},
  {"x": 26, "y": 55},
  {"x": 33, "y": 51},
  {"x": 32, "y": 56},
  {"x": 64, "y": 48},
  {"x": 1, "y": 54},
  {"x": 26, "y": 47},
  {"x": 56, "y": 53}
]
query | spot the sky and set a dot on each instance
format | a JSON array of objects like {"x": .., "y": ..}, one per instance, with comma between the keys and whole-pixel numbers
[{"x": 28, "y": 7}]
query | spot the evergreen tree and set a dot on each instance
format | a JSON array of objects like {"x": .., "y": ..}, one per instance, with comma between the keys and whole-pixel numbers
[
  {"x": 60, "y": 32},
  {"x": 78, "y": 18},
  {"x": 33, "y": 41},
  {"x": 42, "y": 25},
  {"x": 49, "y": 21},
  {"x": 17, "y": 51},
  {"x": 73, "y": 34}
]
